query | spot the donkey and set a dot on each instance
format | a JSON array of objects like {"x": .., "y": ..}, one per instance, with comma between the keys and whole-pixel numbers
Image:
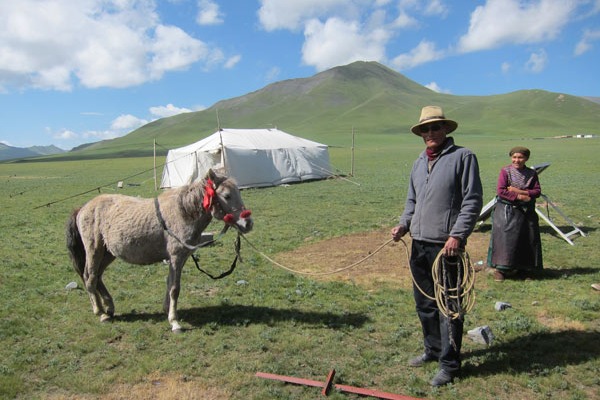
[{"x": 146, "y": 231}]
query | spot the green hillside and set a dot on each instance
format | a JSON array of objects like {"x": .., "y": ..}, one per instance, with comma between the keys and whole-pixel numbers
[{"x": 367, "y": 97}]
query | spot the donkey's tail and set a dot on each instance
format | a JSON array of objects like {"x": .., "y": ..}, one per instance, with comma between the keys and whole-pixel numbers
[{"x": 75, "y": 244}]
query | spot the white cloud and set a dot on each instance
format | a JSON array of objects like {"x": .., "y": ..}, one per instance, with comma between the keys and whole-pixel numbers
[
  {"x": 338, "y": 42},
  {"x": 65, "y": 134},
  {"x": 100, "y": 135},
  {"x": 424, "y": 52},
  {"x": 505, "y": 67},
  {"x": 127, "y": 122},
  {"x": 173, "y": 49},
  {"x": 277, "y": 14},
  {"x": 436, "y": 88},
  {"x": 273, "y": 74},
  {"x": 585, "y": 44},
  {"x": 436, "y": 7},
  {"x": 537, "y": 61},
  {"x": 404, "y": 21},
  {"x": 167, "y": 111},
  {"x": 500, "y": 22},
  {"x": 199, "y": 107},
  {"x": 122, "y": 125},
  {"x": 209, "y": 13},
  {"x": 57, "y": 44},
  {"x": 232, "y": 61},
  {"x": 57, "y": 77}
]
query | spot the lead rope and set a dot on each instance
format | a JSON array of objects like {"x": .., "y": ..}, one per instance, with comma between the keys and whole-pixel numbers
[
  {"x": 238, "y": 256},
  {"x": 201, "y": 244},
  {"x": 463, "y": 294},
  {"x": 315, "y": 273},
  {"x": 164, "y": 226}
]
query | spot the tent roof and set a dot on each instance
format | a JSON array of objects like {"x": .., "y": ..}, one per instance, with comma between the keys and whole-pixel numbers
[{"x": 249, "y": 139}]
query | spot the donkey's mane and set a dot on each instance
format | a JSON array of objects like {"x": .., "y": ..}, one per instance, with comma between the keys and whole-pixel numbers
[{"x": 190, "y": 196}]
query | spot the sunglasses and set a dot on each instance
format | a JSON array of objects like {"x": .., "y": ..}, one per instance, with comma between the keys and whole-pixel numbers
[{"x": 432, "y": 128}]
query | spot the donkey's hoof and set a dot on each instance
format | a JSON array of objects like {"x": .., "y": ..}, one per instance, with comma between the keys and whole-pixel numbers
[
  {"x": 176, "y": 328},
  {"x": 105, "y": 318}
]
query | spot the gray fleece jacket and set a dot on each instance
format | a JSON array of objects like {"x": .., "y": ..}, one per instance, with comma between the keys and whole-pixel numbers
[{"x": 445, "y": 201}]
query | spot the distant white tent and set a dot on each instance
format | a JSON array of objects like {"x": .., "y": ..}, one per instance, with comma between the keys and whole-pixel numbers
[{"x": 253, "y": 157}]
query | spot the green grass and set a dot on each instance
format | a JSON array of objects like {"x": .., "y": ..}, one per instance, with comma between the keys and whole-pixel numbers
[{"x": 52, "y": 345}]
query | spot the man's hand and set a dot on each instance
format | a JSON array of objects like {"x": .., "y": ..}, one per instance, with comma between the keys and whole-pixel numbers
[
  {"x": 397, "y": 232},
  {"x": 451, "y": 247}
]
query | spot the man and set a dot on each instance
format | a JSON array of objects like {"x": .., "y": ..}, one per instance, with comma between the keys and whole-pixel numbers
[{"x": 442, "y": 205}]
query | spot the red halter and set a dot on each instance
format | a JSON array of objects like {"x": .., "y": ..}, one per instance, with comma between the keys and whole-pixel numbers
[
  {"x": 207, "y": 201},
  {"x": 230, "y": 219},
  {"x": 209, "y": 194}
]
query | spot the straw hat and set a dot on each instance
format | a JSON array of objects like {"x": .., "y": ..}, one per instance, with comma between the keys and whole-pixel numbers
[{"x": 431, "y": 114}]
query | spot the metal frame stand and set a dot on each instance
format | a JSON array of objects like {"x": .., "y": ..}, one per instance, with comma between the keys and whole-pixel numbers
[
  {"x": 546, "y": 217},
  {"x": 489, "y": 207}
]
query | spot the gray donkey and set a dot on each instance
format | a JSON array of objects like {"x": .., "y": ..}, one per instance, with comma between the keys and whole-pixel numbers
[{"x": 146, "y": 231}]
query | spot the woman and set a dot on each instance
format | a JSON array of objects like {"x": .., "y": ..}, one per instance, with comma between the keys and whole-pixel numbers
[{"x": 515, "y": 244}]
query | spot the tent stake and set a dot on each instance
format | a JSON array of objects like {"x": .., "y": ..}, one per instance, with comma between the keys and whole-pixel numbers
[{"x": 329, "y": 383}]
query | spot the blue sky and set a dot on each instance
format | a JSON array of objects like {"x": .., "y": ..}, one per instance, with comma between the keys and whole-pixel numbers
[{"x": 74, "y": 72}]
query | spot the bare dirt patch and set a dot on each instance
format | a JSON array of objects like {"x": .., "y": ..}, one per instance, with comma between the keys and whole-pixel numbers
[
  {"x": 388, "y": 265},
  {"x": 157, "y": 386}
]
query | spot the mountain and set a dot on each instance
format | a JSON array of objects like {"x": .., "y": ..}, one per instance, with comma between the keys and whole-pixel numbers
[
  {"x": 8, "y": 152},
  {"x": 594, "y": 99},
  {"x": 366, "y": 97}
]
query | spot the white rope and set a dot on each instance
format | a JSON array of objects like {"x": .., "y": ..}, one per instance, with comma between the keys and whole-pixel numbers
[
  {"x": 464, "y": 292},
  {"x": 317, "y": 273}
]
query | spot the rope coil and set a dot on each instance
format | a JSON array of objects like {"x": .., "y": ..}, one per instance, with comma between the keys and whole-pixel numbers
[{"x": 453, "y": 302}]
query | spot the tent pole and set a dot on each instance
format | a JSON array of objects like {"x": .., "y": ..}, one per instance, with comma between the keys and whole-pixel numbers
[
  {"x": 352, "y": 155},
  {"x": 223, "y": 161},
  {"x": 221, "y": 139},
  {"x": 155, "y": 188}
]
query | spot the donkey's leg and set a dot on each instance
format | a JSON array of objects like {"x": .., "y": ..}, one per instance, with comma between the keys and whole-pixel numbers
[
  {"x": 167, "y": 301},
  {"x": 106, "y": 298},
  {"x": 173, "y": 287},
  {"x": 91, "y": 276}
]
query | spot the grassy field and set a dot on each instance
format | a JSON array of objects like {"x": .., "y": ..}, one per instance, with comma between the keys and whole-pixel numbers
[{"x": 262, "y": 318}]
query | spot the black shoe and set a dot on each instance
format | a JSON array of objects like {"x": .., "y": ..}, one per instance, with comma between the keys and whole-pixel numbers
[
  {"x": 422, "y": 359},
  {"x": 442, "y": 378}
]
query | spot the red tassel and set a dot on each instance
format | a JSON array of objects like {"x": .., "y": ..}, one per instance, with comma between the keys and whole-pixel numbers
[
  {"x": 228, "y": 219},
  {"x": 245, "y": 214},
  {"x": 209, "y": 193}
]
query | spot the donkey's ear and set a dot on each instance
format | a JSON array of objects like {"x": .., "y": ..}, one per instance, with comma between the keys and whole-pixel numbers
[{"x": 211, "y": 175}]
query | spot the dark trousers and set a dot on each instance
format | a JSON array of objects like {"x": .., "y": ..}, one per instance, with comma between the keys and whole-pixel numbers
[{"x": 442, "y": 336}]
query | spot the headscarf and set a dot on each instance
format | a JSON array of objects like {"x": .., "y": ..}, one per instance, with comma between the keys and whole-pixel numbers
[{"x": 520, "y": 149}]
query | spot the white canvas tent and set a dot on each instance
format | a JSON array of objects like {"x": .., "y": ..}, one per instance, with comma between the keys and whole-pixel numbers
[{"x": 253, "y": 157}]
